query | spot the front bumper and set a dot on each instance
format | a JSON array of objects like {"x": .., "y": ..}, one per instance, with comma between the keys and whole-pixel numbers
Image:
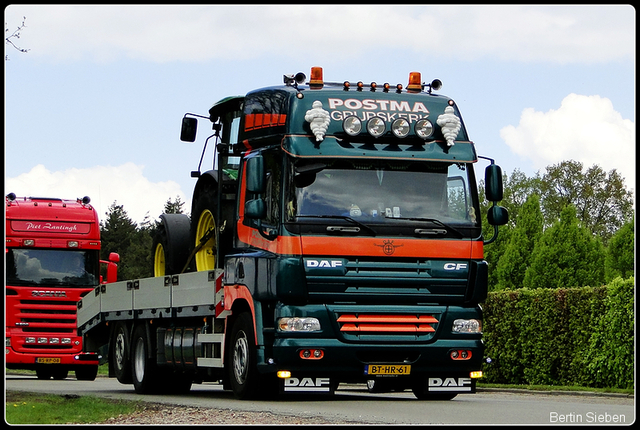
[
  {"x": 16, "y": 360},
  {"x": 439, "y": 359}
]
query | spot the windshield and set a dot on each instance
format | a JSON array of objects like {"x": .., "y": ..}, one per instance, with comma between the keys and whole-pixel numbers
[
  {"x": 36, "y": 266},
  {"x": 386, "y": 192}
]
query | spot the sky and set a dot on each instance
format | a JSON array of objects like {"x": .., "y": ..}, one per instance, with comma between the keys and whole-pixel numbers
[{"x": 95, "y": 105}]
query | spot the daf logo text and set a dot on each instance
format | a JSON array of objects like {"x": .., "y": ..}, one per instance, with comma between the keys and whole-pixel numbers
[{"x": 324, "y": 263}]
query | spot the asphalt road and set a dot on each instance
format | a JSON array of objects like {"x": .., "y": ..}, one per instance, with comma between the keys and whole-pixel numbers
[{"x": 352, "y": 403}]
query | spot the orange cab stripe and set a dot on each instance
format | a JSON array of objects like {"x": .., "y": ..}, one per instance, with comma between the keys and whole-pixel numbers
[
  {"x": 262, "y": 120},
  {"x": 362, "y": 246}
]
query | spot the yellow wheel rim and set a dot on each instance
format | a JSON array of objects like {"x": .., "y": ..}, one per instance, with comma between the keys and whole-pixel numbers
[
  {"x": 159, "y": 261},
  {"x": 206, "y": 256}
]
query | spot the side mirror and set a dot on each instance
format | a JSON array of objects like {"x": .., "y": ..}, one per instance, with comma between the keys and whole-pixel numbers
[
  {"x": 255, "y": 175},
  {"x": 497, "y": 215},
  {"x": 189, "y": 129},
  {"x": 255, "y": 209},
  {"x": 493, "y": 183}
]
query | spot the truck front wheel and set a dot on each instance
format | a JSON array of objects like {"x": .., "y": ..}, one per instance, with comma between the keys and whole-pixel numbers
[
  {"x": 243, "y": 374},
  {"x": 420, "y": 391}
]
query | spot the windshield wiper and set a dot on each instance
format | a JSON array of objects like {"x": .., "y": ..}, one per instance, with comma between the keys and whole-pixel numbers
[
  {"x": 341, "y": 228},
  {"x": 432, "y": 231}
]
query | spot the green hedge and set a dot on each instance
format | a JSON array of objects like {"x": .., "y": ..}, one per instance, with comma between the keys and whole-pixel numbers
[{"x": 574, "y": 336}]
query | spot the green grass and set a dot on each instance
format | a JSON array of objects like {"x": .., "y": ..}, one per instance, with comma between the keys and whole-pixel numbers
[
  {"x": 558, "y": 388},
  {"x": 37, "y": 408}
]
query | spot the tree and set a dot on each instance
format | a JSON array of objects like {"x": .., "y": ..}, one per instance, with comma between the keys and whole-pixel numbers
[
  {"x": 174, "y": 207},
  {"x": 515, "y": 260},
  {"x": 9, "y": 38},
  {"x": 120, "y": 234},
  {"x": 517, "y": 188},
  {"x": 602, "y": 202},
  {"x": 566, "y": 256},
  {"x": 619, "y": 260}
]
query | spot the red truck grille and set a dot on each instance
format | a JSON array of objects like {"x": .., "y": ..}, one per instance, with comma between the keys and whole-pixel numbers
[
  {"x": 46, "y": 316},
  {"x": 39, "y": 325},
  {"x": 387, "y": 323},
  {"x": 377, "y": 327}
]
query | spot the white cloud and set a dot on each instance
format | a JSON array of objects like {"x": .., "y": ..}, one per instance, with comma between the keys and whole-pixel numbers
[
  {"x": 585, "y": 128},
  {"x": 125, "y": 185},
  {"x": 160, "y": 33}
]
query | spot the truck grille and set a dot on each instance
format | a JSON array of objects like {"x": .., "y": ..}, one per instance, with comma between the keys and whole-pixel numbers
[
  {"x": 46, "y": 316},
  {"x": 401, "y": 281},
  {"x": 387, "y": 323},
  {"x": 43, "y": 325},
  {"x": 388, "y": 328}
]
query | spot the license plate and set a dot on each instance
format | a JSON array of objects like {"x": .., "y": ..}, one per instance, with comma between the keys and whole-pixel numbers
[
  {"x": 387, "y": 369},
  {"x": 48, "y": 360}
]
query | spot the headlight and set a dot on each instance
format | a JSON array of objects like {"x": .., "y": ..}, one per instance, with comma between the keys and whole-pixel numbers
[
  {"x": 424, "y": 128},
  {"x": 400, "y": 127},
  {"x": 467, "y": 326},
  {"x": 298, "y": 324},
  {"x": 376, "y": 127},
  {"x": 352, "y": 125}
]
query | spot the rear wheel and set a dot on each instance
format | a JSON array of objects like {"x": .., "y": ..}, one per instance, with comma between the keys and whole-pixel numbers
[{"x": 143, "y": 369}]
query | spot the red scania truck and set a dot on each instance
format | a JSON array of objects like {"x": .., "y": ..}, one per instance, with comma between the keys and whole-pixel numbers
[
  {"x": 52, "y": 259},
  {"x": 337, "y": 238}
]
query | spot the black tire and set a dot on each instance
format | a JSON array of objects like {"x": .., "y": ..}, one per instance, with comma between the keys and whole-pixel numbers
[
  {"x": 144, "y": 371},
  {"x": 86, "y": 373},
  {"x": 204, "y": 211},
  {"x": 421, "y": 393},
  {"x": 171, "y": 244},
  {"x": 243, "y": 373},
  {"x": 44, "y": 372},
  {"x": 377, "y": 386},
  {"x": 59, "y": 374},
  {"x": 120, "y": 350},
  {"x": 203, "y": 218}
]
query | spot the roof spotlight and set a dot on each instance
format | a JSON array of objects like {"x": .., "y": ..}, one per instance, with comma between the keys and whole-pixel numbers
[
  {"x": 435, "y": 85},
  {"x": 297, "y": 79},
  {"x": 300, "y": 78}
]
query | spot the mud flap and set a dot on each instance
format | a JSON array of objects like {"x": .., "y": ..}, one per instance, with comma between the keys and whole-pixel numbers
[
  {"x": 458, "y": 385},
  {"x": 307, "y": 385}
]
